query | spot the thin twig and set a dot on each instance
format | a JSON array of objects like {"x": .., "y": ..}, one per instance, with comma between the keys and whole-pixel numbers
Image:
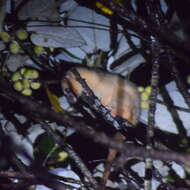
[
  {"x": 73, "y": 155},
  {"x": 144, "y": 28},
  {"x": 152, "y": 110},
  {"x": 156, "y": 19},
  {"x": 180, "y": 84}
]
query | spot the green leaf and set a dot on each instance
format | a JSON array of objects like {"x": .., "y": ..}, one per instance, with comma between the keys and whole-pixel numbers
[{"x": 44, "y": 144}]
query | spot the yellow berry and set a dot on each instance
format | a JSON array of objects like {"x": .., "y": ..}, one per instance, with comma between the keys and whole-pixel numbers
[
  {"x": 26, "y": 83},
  {"x": 62, "y": 156},
  {"x": 18, "y": 85},
  {"x": 144, "y": 105},
  {"x": 35, "y": 85},
  {"x": 103, "y": 8},
  {"x": 14, "y": 47},
  {"x": 27, "y": 92},
  {"x": 16, "y": 76},
  {"x": 31, "y": 74},
  {"x": 99, "y": 5},
  {"x": 22, "y": 34},
  {"x": 5, "y": 36},
  {"x": 148, "y": 89},
  {"x": 22, "y": 70},
  {"x": 144, "y": 96},
  {"x": 38, "y": 50},
  {"x": 140, "y": 89},
  {"x": 107, "y": 10}
]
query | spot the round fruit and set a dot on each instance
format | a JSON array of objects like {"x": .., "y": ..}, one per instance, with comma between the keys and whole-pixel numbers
[
  {"x": 144, "y": 96},
  {"x": 14, "y": 47},
  {"x": 22, "y": 34},
  {"x": 22, "y": 70},
  {"x": 148, "y": 89},
  {"x": 140, "y": 88},
  {"x": 38, "y": 50},
  {"x": 5, "y": 36},
  {"x": 35, "y": 85},
  {"x": 27, "y": 92},
  {"x": 16, "y": 76},
  {"x": 18, "y": 85},
  {"x": 26, "y": 83},
  {"x": 31, "y": 74}
]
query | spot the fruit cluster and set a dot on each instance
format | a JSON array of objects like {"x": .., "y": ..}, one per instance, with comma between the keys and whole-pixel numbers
[
  {"x": 13, "y": 44},
  {"x": 145, "y": 95},
  {"x": 25, "y": 80}
]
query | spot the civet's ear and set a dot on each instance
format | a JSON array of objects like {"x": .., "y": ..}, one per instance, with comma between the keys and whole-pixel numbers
[{"x": 119, "y": 95}]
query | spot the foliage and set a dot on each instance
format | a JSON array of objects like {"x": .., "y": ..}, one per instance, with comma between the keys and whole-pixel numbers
[{"x": 51, "y": 136}]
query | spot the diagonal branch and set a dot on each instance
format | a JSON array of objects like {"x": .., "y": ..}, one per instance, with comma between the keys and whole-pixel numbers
[{"x": 38, "y": 110}]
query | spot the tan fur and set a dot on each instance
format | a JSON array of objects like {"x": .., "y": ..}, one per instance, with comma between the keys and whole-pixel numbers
[{"x": 119, "y": 95}]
